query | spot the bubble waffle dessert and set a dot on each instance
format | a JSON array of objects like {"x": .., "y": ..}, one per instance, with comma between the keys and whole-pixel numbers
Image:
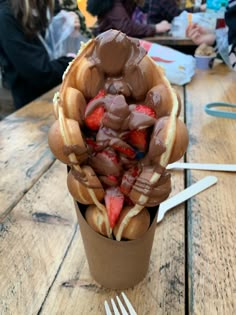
[{"x": 117, "y": 127}]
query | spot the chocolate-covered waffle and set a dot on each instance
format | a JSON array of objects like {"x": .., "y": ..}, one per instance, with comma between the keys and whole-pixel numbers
[{"x": 117, "y": 128}]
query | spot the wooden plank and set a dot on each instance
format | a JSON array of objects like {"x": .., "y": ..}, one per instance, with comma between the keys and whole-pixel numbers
[
  {"x": 34, "y": 239},
  {"x": 170, "y": 40},
  {"x": 161, "y": 292},
  {"x": 24, "y": 152},
  {"x": 211, "y": 214}
]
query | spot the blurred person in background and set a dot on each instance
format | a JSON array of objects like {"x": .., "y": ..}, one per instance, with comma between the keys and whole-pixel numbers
[
  {"x": 26, "y": 67},
  {"x": 117, "y": 14},
  {"x": 223, "y": 39},
  {"x": 158, "y": 10},
  {"x": 72, "y": 6}
]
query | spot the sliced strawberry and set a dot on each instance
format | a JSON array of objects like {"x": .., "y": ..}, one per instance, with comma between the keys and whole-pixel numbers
[
  {"x": 94, "y": 112},
  {"x": 100, "y": 94},
  {"x": 122, "y": 147},
  {"x": 92, "y": 144},
  {"x": 114, "y": 201},
  {"x": 126, "y": 151},
  {"x": 138, "y": 139},
  {"x": 93, "y": 120},
  {"x": 109, "y": 180},
  {"x": 129, "y": 179},
  {"x": 146, "y": 110},
  {"x": 141, "y": 117},
  {"x": 106, "y": 163}
]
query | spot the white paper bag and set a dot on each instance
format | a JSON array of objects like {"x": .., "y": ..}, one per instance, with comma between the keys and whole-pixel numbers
[{"x": 179, "y": 67}]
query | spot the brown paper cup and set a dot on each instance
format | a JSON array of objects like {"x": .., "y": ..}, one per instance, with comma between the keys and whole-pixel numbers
[{"x": 113, "y": 264}]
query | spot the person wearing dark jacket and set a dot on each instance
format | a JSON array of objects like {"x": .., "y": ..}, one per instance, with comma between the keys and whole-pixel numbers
[
  {"x": 117, "y": 14},
  {"x": 27, "y": 69},
  {"x": 158, "y": 10}
]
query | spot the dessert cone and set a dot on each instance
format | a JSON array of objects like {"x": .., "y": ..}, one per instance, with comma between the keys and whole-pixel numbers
[{"x": 117, "y": 129}]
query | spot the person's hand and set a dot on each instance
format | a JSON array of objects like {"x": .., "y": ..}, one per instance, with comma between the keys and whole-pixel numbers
[
  {"x": 163, "y": 27},
  {"x": 200, "y": 35},
  {"x": 75, "y": 17},
  {"x": 203, "y": 7}
]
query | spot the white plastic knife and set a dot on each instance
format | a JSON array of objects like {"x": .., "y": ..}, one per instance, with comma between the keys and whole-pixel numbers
[
  {"x": 185, "y": 195},
  {"x": 203, "y": 166}
]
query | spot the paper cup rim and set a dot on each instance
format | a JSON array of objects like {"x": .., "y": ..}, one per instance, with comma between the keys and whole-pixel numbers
[
  {"x": 126, "y": 262},
  {"x": 204, "y": 57},
  {"x": 109, "y": 240}
]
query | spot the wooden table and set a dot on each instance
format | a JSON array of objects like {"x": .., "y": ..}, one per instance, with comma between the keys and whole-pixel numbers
[
  {"x": 43, "y": 268},
  {"x": 169, "y": 40}
]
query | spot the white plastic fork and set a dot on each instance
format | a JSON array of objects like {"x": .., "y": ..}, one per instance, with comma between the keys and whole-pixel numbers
[
  {"x": 120, "y": 310},
  {"x": 184, "y": 195},
  {"x": 203, "y": 166}
]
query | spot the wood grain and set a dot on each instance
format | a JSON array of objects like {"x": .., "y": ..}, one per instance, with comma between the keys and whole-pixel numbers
[
  {"x": 211, "y": 214},
  {"x": 34, "y": 239},
  {"x": 24, "y": 152},
  {"x": 169, "y": 40}
]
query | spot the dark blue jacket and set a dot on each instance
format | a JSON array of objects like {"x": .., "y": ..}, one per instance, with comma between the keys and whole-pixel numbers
[{"x": 28, "y": 72}]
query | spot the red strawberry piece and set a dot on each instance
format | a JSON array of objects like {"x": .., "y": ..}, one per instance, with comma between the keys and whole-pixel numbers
[
  {"x": 100, "y": 94},
  {"x": 141, "y": 117},
  {"x": 138, "y": 139},
  {"x": 106, "y": 163},
  {"x": 126, "y": 151},
  {"x": 94, "y": 119},
  {"x": 129, "y": 179},
  {"x": 92, "y": 144},
  {"x": 122, "y": 147},
  {"x": 146, "y": 110},
  {"x": 109, "y": 180},
  {"x": 114, "y": 201},
  {"x": 94, "y": 111}
]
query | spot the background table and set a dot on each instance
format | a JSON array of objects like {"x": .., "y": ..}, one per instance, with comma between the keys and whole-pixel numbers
[
  {"x": 43, "y": 268},
  {"x": 182, "y": 44},
  {"x": 169, "y": 40}
]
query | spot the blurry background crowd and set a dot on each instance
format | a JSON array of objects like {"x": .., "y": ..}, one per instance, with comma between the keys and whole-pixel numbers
[{"x": 39, "y": 38}]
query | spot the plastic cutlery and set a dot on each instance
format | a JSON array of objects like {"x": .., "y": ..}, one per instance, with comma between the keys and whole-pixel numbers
[
  {"x": 203, "y": 166},
  {"x": 185, "y": 195}
]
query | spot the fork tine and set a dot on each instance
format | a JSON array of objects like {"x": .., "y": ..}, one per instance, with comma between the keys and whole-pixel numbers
[
  {"x": 107, "y": 308},
  {"x": 128, "y": 304},
  {"x": 115, "y": 309},
  {"x": 123, "y": 310}
]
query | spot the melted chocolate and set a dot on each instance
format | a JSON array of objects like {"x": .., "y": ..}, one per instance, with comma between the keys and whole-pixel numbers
[{"x": 118, "y": 58}]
